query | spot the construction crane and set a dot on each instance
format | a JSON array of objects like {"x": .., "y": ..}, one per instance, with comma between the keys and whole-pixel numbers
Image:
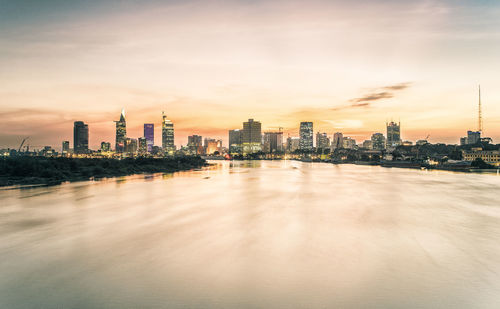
[{"x": 22, "y": 143}]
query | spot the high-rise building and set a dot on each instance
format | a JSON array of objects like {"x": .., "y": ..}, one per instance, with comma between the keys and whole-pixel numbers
[
  {"x": 235, "y": 141},
  {"x": 130, "y": 145},
  {"x": 322, "y": 141},
  {"x": 338, "y": 141},
  {"x": 65, "y": 147},
  {"x": 195, "y": 145},
  {"x": 143, "y": 145},
  {"x": 378, "y": 141},
  {"x": 393, "y": 134},
  {"x": 251, "y": 137},
  {"x": 473, "y": 137},
  {"x": 292, "y": 144},
  {"x": 121, "y": 133},
  {"x": 149, "y": 134},
  {"x": 105, "y": 147},
  {"x": 306, "y": 136},
  {"x": 167, "y": 135},
  {"x": 349, "y": 143},
  {"x": 80, "y": 137},
  {"x": 273, "y": 142}
]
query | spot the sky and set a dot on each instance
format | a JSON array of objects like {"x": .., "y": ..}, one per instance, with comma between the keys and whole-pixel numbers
[{"x": 348, "y": 66}]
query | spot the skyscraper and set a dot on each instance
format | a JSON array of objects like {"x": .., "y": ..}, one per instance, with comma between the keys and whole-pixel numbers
[
  {"x": 393, "y": 134},
  {"x": 80, "y": 137},
  {"x": 273, "y": 142},
  {"x": 65, "y": 147},
  {"x": 195, "y": 144},
  {"x": 251, "y": 137},
  {"x": 167, "y": 135},
  {"x": 235, "y": 141},
  {"x": 378, "y": 141},
  {"x": 306, "y": 136},
  {"x": 322, "y": 141},
  {"x": 121, "y": 133},
  {"x": 338, "y": 141},
  {"x": 149, "y": 134}
]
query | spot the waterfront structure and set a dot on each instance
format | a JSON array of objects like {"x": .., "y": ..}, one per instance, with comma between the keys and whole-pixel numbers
[
  {"x": 149, "y": 134},
  {"x": 292, "y": 143},
  {"x": 251, "y": 136},
  {"x": 488, "y": 156},
  {"x": 322, "y": 141},
  {"x": 167, "y": 135},
  {"x": 378, "y": 141},
  {"x": 349, "y": 143},
  {"x": 338, "y": 141},
  {"x": 105, "y": 147},
  {"x": 235, "y": 141},
  {"x": 143, "y": 145},
  {"x": 121, "y": 133},
  {"x": 80, "y": 137},
  {"x": 393, "y": 134},
  {"x": 213, "y": 146},
  {"x": 273, "y": 142},
  {"x": 194, "y": 145},
  {"x": 65, "y": 147},
  {"x": 306, "y": 136}
]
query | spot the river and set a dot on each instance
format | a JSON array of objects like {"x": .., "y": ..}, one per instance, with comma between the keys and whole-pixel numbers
[{"x": 258, "y": 234}]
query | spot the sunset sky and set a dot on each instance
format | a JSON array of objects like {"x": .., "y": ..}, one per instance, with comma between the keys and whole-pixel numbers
[{"x": 347, "y": 66}]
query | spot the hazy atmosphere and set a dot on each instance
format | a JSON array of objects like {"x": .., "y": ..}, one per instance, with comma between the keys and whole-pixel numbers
[{"x": 346, "y": 65}]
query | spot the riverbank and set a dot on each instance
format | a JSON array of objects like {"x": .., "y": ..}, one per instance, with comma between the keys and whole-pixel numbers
[{"x": 53, "y": 171}]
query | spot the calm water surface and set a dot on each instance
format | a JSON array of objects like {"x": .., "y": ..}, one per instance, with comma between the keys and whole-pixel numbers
[{"x": 255, "y": 235}]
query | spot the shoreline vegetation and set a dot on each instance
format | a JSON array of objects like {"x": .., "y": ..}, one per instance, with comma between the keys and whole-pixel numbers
[{"x": 25, "y": 170}]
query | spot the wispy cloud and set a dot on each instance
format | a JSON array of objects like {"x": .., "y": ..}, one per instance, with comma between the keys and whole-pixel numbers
[{"x": 386, "y": 92}]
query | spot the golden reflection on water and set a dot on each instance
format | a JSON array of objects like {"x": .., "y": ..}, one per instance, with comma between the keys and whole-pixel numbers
[{"x": 270, "y": 234}]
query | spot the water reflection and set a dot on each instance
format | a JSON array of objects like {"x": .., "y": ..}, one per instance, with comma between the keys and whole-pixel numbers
[{"x": 255, "y": 234}]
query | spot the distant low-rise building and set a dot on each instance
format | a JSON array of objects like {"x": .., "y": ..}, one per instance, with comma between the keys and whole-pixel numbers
[
  {"x": 488, "y": 156},
  {"x": 368, "y": 144}
]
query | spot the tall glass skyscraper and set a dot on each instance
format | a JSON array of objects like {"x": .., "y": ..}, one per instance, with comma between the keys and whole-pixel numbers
[
  {"x": 167, "y": 135},
  {"x": 149, "y": 134},
  {"x": 80, "y": 137},
  {"x": 393, "y": 134},
  {"x": 306, "y": 136},
  {"x": 121, "y": 133}
]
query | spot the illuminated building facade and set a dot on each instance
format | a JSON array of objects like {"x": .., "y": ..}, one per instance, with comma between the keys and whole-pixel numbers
[
  {"x": 80, "y": 137},
  {"x": 251, "y": 137},
  {"x": 378, "y": 141},
  {"x": 393, "y": 134},
  {"x": 121, "y": 133},
  {"x": 167, "y": 135},
  {"x": 273, "y": 142},
  {"x": 306, "y": 136},
  {"x": 149, "y": 134}
]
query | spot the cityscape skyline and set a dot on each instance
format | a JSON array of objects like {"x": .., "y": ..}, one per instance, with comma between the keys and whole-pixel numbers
[{"x": 346, "y": 66}]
